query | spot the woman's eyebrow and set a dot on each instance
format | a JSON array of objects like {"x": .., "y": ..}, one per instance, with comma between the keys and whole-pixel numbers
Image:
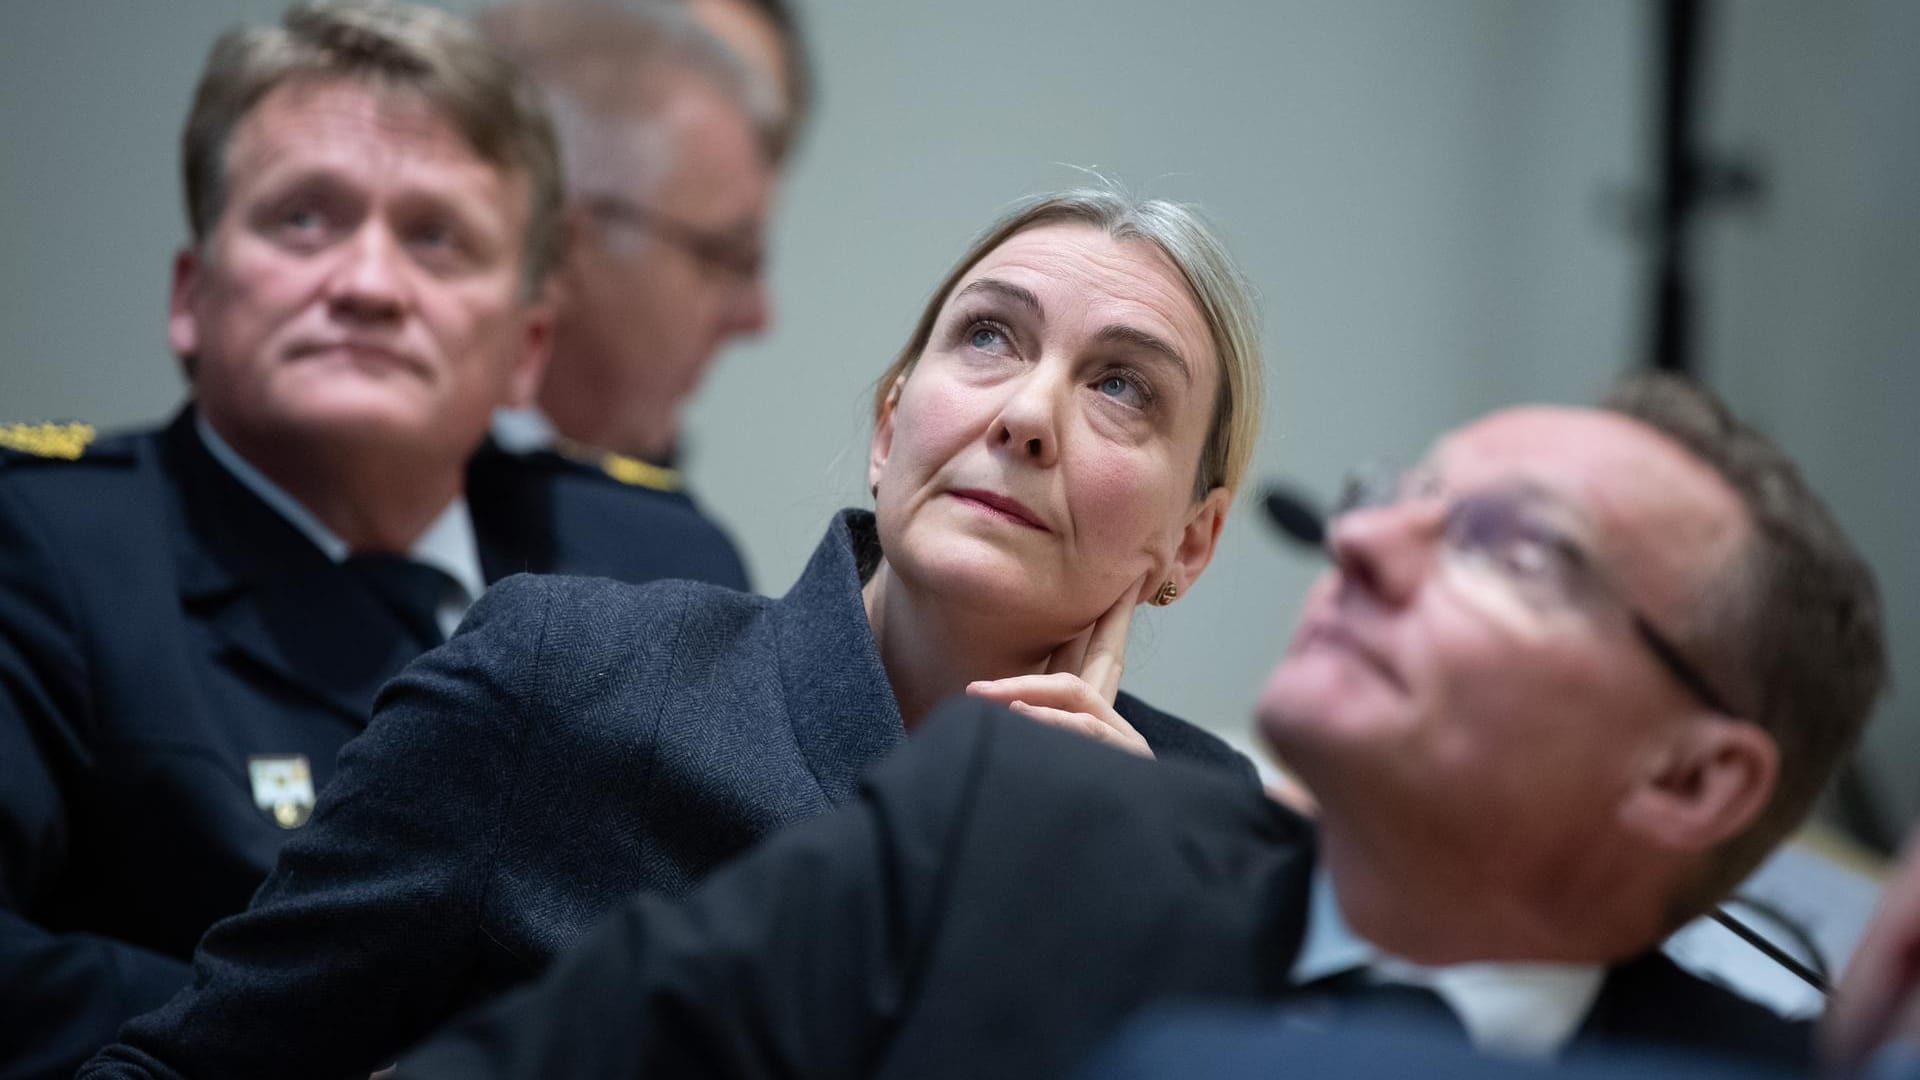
[
  {"x": 1136, "y": 338},
  {"x": 1006, "y": 290},
  {"x": 1117, "y": 334}
]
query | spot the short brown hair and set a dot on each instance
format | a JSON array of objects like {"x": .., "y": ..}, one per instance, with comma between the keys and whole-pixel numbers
[
  {"x": 390, "y": 47},
  {"x": 1222, "y": 293},
  {"x": 1793, "y": 628}
]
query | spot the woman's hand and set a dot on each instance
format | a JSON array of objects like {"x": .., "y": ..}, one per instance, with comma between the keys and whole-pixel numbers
[{"x": 1083, "y": 675}]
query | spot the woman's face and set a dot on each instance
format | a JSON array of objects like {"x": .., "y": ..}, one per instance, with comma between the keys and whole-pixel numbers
[{"x": 1039, "y": 460}]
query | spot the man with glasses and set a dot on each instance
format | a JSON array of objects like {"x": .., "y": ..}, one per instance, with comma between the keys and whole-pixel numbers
[
  {"x": 1562, "y": 686},
  {"x": 668, "y": 137}
]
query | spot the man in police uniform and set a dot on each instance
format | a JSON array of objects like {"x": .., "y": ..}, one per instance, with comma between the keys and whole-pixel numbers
[{"x": 194, "y": 619}]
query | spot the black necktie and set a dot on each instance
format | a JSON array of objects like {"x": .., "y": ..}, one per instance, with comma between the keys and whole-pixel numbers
[
  {"x": 1356, "y": 996},
  {"x": 411, "y": 589}
]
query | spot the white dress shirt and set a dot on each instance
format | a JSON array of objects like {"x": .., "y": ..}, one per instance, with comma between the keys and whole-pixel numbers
[
  {"x": 523, "y": 430},
  {"x": 1520, "y": 1010}
]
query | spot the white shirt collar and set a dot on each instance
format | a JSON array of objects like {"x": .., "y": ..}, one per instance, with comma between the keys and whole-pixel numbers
[
  {"x": 1520, "y": 1010},
  {"x": 447, "y": 544},
  {"x": 523, "y": 430}
]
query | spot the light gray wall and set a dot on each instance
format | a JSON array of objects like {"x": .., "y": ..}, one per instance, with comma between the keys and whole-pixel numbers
[
  {"x": 1422, "y": 191},
  {"x": 1812, "y": 311}
]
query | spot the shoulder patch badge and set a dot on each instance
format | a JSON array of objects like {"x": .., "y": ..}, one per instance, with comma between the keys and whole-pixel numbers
[
  {"x": 64, "y": 441},
  {"x": 282, "y": 787}
]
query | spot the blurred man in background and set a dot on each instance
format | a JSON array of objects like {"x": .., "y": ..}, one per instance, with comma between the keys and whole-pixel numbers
[{"x": 670, "y": 137}]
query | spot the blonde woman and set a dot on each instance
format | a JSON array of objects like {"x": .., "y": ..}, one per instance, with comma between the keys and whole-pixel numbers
[{"x": 1058, "y": 443}]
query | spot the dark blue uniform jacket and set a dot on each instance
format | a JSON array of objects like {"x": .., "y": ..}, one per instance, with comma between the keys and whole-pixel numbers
[{"x": 159, "y": 625}]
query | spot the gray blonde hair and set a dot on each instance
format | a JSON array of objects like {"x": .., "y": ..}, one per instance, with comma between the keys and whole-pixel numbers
[
  {"x": 389, "y": 47},
  {"x": 1222, "y": 293}
]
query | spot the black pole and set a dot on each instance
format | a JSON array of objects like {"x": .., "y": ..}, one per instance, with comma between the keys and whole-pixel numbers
[{"x": 1680, "y": 30}]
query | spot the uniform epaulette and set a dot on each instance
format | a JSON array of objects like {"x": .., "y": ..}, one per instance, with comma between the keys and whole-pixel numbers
[
  {"x": 62, "y": 442},
  {"x": 639, "y": 473},
  {"x": 627, "y": 470}
]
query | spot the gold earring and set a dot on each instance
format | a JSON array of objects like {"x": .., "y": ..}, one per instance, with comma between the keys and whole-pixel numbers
[{"x": 1166, "y": 594}]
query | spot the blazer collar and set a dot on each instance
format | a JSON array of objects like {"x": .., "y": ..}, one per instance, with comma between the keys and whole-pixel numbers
[
  {"x": 268, "y": 595},
  {"x": 839, "y": 701}
]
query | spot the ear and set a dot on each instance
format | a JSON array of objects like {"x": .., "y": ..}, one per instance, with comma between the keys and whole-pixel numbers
[
  {"x": 183, "y": 328},
  {"x": 882, "y": 443},
  {"x": 536, "y": 346},
  {"x": 1193, "y": 548},
  {"x": 1712, "y": 781}
]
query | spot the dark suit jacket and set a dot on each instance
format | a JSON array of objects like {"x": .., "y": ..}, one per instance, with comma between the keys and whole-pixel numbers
[
  {"x": 575, "y": 742},
  {"x": 998, "y": 902},
  {"x": 159, "y": 624}
]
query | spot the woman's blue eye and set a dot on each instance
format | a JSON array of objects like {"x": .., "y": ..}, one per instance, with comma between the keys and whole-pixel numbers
[
  {"x": 983, "y": 337},
  {"x": 1122, "y": 389}
]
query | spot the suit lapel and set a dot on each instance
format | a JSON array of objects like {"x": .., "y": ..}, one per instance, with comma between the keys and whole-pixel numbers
[
  {"x": 838, "y": 700},
  {"x": 317, "y": 633},
  {"x": 273, "y": 604},
  {"x": 1650, "y": 999}
]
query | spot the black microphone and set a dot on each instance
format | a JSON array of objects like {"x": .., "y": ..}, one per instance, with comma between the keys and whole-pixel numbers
[{"x": 1295, "y": 515}]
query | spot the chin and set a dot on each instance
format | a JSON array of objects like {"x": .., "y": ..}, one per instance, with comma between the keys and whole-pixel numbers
[
  {"x": 371, "y": 420},
  {"x": 985, "y": 584},
  {"x": 1308, "y": 705},
  {"x": 971, "y": 573}
]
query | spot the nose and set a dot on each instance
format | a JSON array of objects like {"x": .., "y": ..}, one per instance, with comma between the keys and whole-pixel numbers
[
  {"x": 1387, "y": 551},
  {"x": 1027, "y": 424},
  {"x": 369, "y": 286}
]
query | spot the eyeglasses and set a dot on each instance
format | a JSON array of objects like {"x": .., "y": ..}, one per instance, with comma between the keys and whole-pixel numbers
[
  {"x": 736, "y": 252},
  {"x": 1507, "y": 535}
]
